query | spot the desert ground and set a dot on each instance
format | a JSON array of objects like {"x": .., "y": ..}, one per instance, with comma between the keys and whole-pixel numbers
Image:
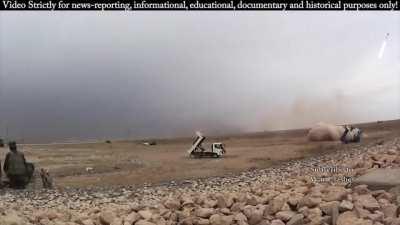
[{"x": 133, "y": 163}]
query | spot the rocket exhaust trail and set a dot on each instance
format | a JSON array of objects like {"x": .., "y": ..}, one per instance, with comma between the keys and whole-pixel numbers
[{"x": 382, "y": 49}]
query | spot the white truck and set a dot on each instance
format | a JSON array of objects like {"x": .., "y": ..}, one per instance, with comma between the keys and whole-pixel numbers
[{"x": 197, "y": 150}]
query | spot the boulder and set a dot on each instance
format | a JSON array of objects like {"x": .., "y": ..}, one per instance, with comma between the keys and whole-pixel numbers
[
  {"x": 368, "y": 202},
  {"x": 345, "y": 205},
  {"x": 285, "y": 215},
  {"x": 309, "y": 201},
  {"x": 296, "y": 220},
  {"x": 255, "y": 216},
  {"x": 277, "y": 222},
  {"x": 277, "y": 204},
  {"x": 131, "y": 218},
  {"x": 335, "y": 193},
  {"x": 89, "y": 222},
  {"x": 328, "y": 207},
  {"x": 240, "y": 219},
  {"x": 379, "y": 179},
  {"x": 216, "y": 220},
  {"x": 202, "y": 221},
  {"x": 145, "y": 214},
  {"x": 144, "y": 222},
  {"x": 205, "y": 212},
  {"x": 173, "y": 204},
  {"x": 107, "y": 217},
  {"x": 348, "y": 218},
  {"x": 390, "y": 210}
]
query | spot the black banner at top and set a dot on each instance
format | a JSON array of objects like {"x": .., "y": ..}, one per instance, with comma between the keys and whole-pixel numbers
[{"x": 134, "y": 5}]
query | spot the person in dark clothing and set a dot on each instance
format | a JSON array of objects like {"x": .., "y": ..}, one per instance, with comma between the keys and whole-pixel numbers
[
  {"x": 15, "y": 167},
  {"x": 343, "y": 137},
  {"x": 1, "y": 181}
]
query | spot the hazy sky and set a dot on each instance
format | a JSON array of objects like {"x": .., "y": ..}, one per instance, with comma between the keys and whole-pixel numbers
[{"x": 80, "y": 75}]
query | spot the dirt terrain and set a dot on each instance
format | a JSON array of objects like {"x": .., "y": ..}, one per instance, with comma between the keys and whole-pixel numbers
[{"x": 133, "y": 163}]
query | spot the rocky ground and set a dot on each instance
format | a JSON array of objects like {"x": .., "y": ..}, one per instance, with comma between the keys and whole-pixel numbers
[{"x": 311, "y": 191}]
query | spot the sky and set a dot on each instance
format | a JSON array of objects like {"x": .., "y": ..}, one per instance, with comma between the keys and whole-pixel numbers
[{"x": 90, "y": 75}]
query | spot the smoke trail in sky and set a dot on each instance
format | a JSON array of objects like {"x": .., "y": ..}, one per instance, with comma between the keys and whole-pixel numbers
[{"x": 382, "y": 50}]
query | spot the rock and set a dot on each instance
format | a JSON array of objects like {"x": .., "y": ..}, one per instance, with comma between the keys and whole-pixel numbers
[
  {"x": 221, "y": 203},
  {"x": 225, "y": 211},
  {"x": 350, "y": 218},
  {"x": 255, "y": 216},
  {"x": 107, "y": 217},
  {"x": 189, "y": 221},
  {"x": 327, "y": 207},
  {"x": 145, "y": 214},
  {"x": 315, "y": 216},
  {"x": 277, "y": 222},
  {"x": 205, "y": 212},
  {"x": 389, "y": 210},
  {"x": 379, "y": 179},
  {"x": 347, "y": 218},
  {"x": 345, "y": 205},
  {"x": 296, "y": 220},
  {"x": 368, "y": 202},
  {"x": 361, "y": 212},
  {"x": 294, "y": 199},
  {"x": 392, "y": 221},
  {"x": 45, "y": 221},
  {"x": 209, "y": 203},
  {"x": 89, "y": 222},
  {"x": 188, "y": 202},
  {"x": 309, "y": 201},
  {"x": 395, "y": 190},
  {"x": 335, "y": 193},
  {"x": 277, "y": 204},
  {"x": 240, "y": 219},
  {"x": 215, "y": 219},
  {"x": 251, "y": 200},
  {"x": 202, "y": 221},
  {"x": 377, "y": 216},
  {"x": 285, "y": 215},
  {"x": 226, "y": 220},
  {"x": 131, "y": 218},
  {"x": 172, "y": 204},
  {"x": 144, "y": 222},
  {"x": 237, "y": 206},
  {"x": 361, "y": 189},
  {"x": 117, "y": 221},
  {"x": 248, "y": 210}
]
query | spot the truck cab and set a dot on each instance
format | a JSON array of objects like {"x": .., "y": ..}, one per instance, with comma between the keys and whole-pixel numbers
[{"x": 218, "y": 148}]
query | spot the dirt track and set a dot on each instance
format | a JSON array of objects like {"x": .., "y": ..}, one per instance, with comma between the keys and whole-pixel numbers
[{"x": 132, "y": 163}]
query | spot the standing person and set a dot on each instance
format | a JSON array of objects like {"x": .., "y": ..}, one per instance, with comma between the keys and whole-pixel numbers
[
  {"x": 1, "y": 181},
  {"x": 343, "y": 138},
  {"x": 15, "y": 167}
]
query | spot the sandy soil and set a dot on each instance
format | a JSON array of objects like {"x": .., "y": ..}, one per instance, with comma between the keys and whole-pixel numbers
[{"x": 132, "y": 163}]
